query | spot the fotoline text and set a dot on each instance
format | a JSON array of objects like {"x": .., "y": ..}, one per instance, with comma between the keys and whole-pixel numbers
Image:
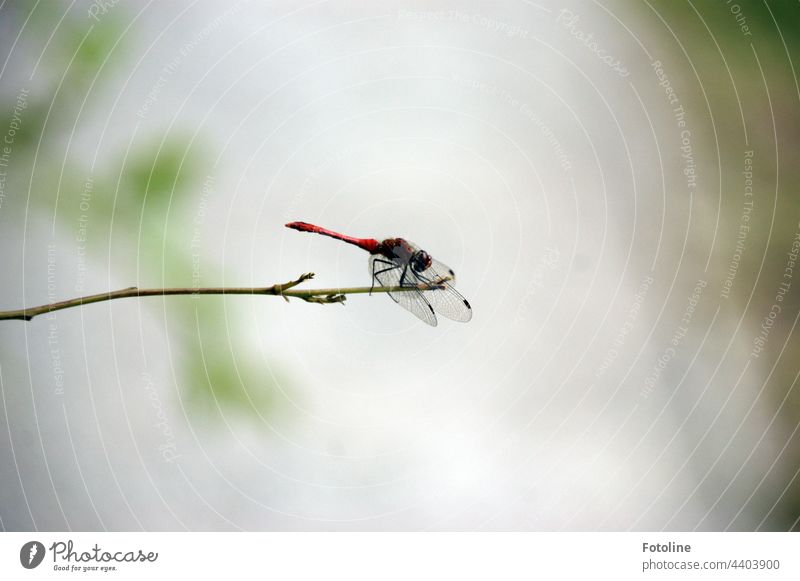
[{"x": 669, "y": 547}]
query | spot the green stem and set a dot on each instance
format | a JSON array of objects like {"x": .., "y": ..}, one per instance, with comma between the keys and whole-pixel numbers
[{"x": 286, "y": 290}]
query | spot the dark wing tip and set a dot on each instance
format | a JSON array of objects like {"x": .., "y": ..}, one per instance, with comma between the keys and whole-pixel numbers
[{"x": 433, "y": 322}]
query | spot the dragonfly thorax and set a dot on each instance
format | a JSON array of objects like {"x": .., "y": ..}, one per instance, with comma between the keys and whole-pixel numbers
[{"x": 404, "y": 252}]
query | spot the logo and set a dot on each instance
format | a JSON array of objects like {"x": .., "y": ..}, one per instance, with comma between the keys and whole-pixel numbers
[{"x": 31, "y": 554}]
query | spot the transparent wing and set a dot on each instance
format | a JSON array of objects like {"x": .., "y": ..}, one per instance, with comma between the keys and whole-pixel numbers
[
  {"x": 445, "y": 299},
  {"x": 385, "y": 272}
]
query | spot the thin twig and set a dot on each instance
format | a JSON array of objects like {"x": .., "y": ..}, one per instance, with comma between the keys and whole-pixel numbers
[{"x": 285, "y": 290}]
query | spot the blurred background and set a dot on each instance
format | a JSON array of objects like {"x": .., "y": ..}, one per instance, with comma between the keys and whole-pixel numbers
[{"x": 613, "y": 182}]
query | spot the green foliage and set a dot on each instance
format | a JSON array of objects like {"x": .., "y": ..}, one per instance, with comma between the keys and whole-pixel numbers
[
  {"x": 140, "y": 201},
  {"x": 221, "y": 372},
  {"x": 160, "y": 171}
]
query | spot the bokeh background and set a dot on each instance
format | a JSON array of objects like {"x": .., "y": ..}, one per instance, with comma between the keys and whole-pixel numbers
[{"x": 615, "y": 184}]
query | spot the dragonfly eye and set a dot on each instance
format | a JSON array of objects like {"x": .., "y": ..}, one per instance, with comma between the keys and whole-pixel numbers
[{"x": 420, "y": 261}]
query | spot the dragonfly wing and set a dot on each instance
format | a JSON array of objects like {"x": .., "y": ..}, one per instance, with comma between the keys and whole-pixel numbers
[
  {"x": 388, "y": 273},
  {"x": 448, "y": 302},
  {"x": 445, "y": 299},
  {"x": 415, "y": 302},
  {"x": 439, "y": 270}
]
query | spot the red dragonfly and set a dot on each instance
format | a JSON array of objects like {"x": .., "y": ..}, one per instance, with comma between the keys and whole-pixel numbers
[{"x": 398, "y": 262}]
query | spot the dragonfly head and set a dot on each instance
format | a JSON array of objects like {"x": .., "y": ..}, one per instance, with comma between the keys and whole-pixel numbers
[{"x": 420, "y": 261}]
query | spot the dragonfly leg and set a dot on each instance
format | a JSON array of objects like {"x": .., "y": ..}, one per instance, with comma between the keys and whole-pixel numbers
[
  {"x": 403, "y": 276},
  {"x": 392, "y": 266}
]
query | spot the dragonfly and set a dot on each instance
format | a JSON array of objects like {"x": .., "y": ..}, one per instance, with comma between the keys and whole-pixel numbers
[{"x": 396, "y": 262}]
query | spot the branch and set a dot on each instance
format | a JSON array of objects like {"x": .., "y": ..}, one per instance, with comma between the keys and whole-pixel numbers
[{"x": 285, "y": 290}]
